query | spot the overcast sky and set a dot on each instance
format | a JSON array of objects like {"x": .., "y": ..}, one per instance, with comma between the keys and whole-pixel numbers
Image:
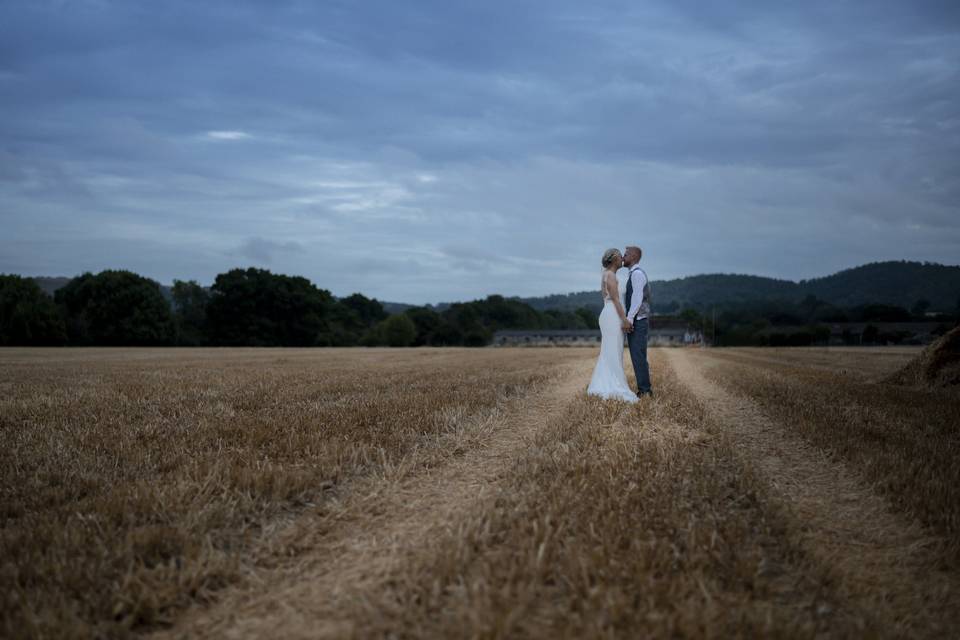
[{"x": 432, "y": 151}]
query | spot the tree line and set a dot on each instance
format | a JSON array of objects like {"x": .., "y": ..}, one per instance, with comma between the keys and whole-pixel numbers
[
  {"x": 254, "y": 307},
  {"x": 247, "y": 307},
  {"x": 785, "y": 323}
]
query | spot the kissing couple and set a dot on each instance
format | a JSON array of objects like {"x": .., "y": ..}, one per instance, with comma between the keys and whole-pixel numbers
[{"x": 624, "y": 314}]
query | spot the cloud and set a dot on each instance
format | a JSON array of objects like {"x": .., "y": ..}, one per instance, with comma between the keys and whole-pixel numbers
[
  {"x": 264, "y": 251},
  {"x": 227, "y": 135},
  {"x": 476, "y": 148}
]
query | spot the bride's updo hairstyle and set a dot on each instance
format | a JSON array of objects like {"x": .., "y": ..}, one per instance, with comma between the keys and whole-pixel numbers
[{"x": 608, "y": 257}]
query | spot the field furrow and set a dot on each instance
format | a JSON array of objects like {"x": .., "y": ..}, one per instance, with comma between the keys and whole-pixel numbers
[
  {"x": 365, "y": 539},
  {"x": 903, "y": 441},
  {"x": 883, "y": 563}
]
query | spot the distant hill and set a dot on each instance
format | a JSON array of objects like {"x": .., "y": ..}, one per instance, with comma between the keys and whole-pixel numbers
[
  {"x": 396, "y": 307},
  {"x": 49, "y": 285},
  {"x": 896, "y": 283},
  {"x": 901, "y": 283}
]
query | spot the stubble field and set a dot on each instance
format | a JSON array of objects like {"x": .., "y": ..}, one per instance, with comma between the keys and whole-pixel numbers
[{"x": 474, "y": 493}]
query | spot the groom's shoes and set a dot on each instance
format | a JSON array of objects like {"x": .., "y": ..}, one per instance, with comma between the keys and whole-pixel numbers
[{"x": 640, "y": 394}]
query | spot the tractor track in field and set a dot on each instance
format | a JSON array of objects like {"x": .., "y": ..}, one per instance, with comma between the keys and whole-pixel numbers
[
  {"x": 366, "y": 541},
  {"x": 883, "y": 563}
]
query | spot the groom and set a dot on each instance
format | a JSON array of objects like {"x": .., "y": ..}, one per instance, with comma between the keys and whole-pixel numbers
[{"x": 637, "y": 302}]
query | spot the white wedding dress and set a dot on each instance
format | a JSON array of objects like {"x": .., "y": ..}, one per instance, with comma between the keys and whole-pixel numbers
[{"x": 609, "y": 379}]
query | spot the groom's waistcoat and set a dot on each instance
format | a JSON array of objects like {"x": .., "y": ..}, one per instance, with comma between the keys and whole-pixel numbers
[{"x": 645, "y": 302}]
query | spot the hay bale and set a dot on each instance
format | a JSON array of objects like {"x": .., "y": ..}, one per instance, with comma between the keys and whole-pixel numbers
[{"x": 937, "y": 366}]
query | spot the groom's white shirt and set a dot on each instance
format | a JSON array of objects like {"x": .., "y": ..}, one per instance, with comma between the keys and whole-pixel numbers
[{"x": 639, "y": 279}]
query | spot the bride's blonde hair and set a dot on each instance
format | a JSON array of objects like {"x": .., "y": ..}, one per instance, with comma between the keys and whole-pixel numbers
[{"x": 608, "y": 256}]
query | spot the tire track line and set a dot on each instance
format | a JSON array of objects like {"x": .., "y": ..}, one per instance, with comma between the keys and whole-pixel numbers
[
  {"x": 365, "y": 543},
  {"x": 884, "y": 564}
]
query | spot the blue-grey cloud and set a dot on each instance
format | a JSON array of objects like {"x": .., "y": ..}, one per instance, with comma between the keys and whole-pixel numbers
[
  {"x": 263, "y": 251},
  {"x": 431, "y": 150}
]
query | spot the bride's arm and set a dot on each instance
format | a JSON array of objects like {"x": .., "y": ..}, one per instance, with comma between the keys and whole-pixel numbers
[{"x": 613, "y": 290}]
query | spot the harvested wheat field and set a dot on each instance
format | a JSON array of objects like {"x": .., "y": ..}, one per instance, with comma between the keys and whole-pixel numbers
[{"x": 329, "y": 493}]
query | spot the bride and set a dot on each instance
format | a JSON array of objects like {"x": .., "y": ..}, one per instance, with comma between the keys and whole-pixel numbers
[{"x": 609, "y": 379}]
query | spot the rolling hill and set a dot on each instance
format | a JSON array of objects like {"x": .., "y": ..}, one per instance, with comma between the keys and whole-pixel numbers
[{"x": 898, "y": 283}]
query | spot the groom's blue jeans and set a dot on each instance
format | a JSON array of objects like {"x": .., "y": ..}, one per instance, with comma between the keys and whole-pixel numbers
[{"x": 637, "y": 342}]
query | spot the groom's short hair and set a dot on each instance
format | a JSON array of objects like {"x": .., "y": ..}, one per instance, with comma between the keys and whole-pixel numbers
[{"x": 637, "y": 249}]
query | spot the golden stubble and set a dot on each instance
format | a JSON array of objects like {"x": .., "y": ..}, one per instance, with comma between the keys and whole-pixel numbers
[
  {"x": 134, "y": 481},
  {"x": 425, "y": 493}
]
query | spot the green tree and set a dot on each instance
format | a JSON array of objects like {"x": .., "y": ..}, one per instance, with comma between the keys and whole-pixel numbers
[
  {"x": 116, "y": 308},
  {"x": 190, "y": 312},
  {"x": 396, "y": 331},
  {"x": 497, "y": 312},
  {"x": 590, "y": 318},
  {"x": 447, "y": 334},
  {"x": 474, "y": 323},
  {"x": 28, "y": 316},
  {"x": 810, "y": 304},
  {"x": 881, "y": 313},
  {"x": 368, "y": 310},
  {"x": 670, "y": 307},
  {"x": 341, "y": 327},
  {"x": 468, "y": 319},
  {"x": 255, "y": 307},
  {"x": 426, "y": 321},
  {"x": 349, "y": 320},
  {"x": 690, "y": 316},
  {"x": 478, "y": 336},
  {"x": 830, "y": 313},
  {"x": 920, "y": 308},
  {"x": 821, "y": 334}
]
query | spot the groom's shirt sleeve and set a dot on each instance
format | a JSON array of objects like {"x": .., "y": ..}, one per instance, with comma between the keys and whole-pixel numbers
[{"x": 639, "y": 282}]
